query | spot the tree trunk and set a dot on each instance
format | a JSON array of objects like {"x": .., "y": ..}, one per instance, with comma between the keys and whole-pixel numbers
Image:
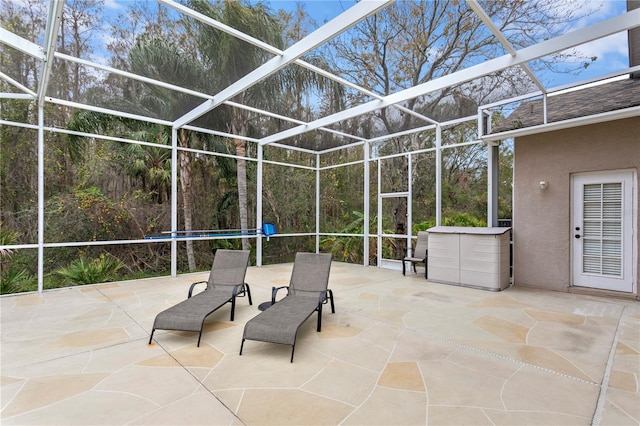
[
  {"x": 241, "y": 150},
  {"x": 186, "y": 173},
  {"x": 240, "y": 128}
]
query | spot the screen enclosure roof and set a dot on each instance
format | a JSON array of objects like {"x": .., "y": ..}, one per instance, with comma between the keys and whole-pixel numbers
[{"x": 503, "y": 77}]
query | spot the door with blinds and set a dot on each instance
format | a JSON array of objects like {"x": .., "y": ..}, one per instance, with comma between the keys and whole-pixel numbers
[{"x": 603, "y": 231}]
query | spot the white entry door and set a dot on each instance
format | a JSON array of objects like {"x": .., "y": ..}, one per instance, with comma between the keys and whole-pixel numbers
[{"x": 603, "y": 230}]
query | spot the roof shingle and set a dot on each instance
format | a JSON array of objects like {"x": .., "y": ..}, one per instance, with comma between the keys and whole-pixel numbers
[{"x": 580, "y": 103}]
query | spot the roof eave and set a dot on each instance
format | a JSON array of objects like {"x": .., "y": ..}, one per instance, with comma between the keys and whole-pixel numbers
[{"x": 565, "y": 124}]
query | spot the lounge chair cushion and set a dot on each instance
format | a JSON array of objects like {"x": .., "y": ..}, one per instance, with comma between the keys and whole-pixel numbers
[
  {"x": 189, "y": 314},
  {"x": 307, "y": 292},
  {"x": 280, "y": 322}
]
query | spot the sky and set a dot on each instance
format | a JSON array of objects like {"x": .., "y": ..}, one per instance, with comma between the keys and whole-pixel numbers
[
  {"x": 320, "y": 10},
  {"x": 612, "y": 52}
]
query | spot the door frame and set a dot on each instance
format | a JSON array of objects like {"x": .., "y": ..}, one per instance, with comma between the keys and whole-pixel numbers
[
  {"x": 630, "y": 209},
  {"x": 392, "y": 263},
  {"x": 380, "y": 235}
]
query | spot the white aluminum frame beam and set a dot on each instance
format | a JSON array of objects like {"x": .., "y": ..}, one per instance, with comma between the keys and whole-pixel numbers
[
  {"x": 602, "y": 29},
  {"x": 21, "y": 44},
  {"x": 318, "y": 189},
  {"x": 558, "y": 90},
  {"x": 443, "y": 124},
  {"x": 131, "y": 75},
  {"x": 36, "y": 51},
  {"x": 259, "y": 43},
  {"x": 27, "y": 92},
  {"x": 53, "y": 23},
  {"x": 259, "y": 203},
  {"x": 438, "y": 152},
  {"x": 335, "y": 148},
  {"x": 326, "y": 32},
  {"x": 403, "y": 133},
  {"x": 289, "y": 119},
  {"x": 108, "y": 111},
  {"x": 17, "y": 96},
  {"x": 367, "y": 201},
  {"x": 40, "y": 197},
  {"x": 219, "y": 133},
  {"x": 360, "y": 89},
  {"x": 220, "y": 26},
  {"x": 184, "y": 90},
  {"x": 493, "y": 173},
  {"x": 475, "y": 6},
  {"x": 174, "y": 200}
]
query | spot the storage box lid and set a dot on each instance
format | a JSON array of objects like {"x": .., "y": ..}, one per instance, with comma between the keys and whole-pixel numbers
[{"x": 468, "y": 230}]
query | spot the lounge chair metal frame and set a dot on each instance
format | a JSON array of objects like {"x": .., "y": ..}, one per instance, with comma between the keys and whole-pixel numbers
[
  {"x": 418, "y": 255},
  {"x": 273, "y": 325},
  {"x": 192, "y": 312}
]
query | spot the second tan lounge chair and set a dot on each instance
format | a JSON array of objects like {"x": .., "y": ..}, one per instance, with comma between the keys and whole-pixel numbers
[{"x": 307, "y": 292}]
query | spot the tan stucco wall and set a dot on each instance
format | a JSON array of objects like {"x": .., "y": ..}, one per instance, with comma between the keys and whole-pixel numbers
[{"x": 541, "y": 219}]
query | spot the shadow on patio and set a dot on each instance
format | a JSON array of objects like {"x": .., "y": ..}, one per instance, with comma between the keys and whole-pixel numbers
[{"x": 399, "y": 350}]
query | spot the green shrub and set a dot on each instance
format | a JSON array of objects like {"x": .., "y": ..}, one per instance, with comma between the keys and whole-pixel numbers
[
  {"x": 17, "y": 281},
  {"x": 13, "y": 279},
  {"x": 99, "y": 270},
  {"x": 7, "y": 238}
]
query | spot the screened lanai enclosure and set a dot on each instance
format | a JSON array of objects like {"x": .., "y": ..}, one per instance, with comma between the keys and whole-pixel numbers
[{"x": 138, "y": 137}]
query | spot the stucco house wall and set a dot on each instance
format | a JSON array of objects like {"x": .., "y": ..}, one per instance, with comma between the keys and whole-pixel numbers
[{"x": 541, "y": 219}]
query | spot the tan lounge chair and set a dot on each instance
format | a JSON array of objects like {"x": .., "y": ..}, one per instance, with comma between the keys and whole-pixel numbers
[
  {"x": 307, "y": 292},
  {"x": 226, "y": 282}
]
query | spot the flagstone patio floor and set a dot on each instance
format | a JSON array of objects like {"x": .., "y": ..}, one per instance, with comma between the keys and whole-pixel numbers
[{"x": 398, "y": 350}]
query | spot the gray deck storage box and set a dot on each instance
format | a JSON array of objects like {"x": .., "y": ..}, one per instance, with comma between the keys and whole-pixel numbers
[{"x": 473, "y": 257}]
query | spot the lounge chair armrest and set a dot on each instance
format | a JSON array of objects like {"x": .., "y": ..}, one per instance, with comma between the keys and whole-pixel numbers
[
  {"x": 274, "y": 292},
  {"x": 237, "y": 289},
  {"x": 193, "y": 286}
]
